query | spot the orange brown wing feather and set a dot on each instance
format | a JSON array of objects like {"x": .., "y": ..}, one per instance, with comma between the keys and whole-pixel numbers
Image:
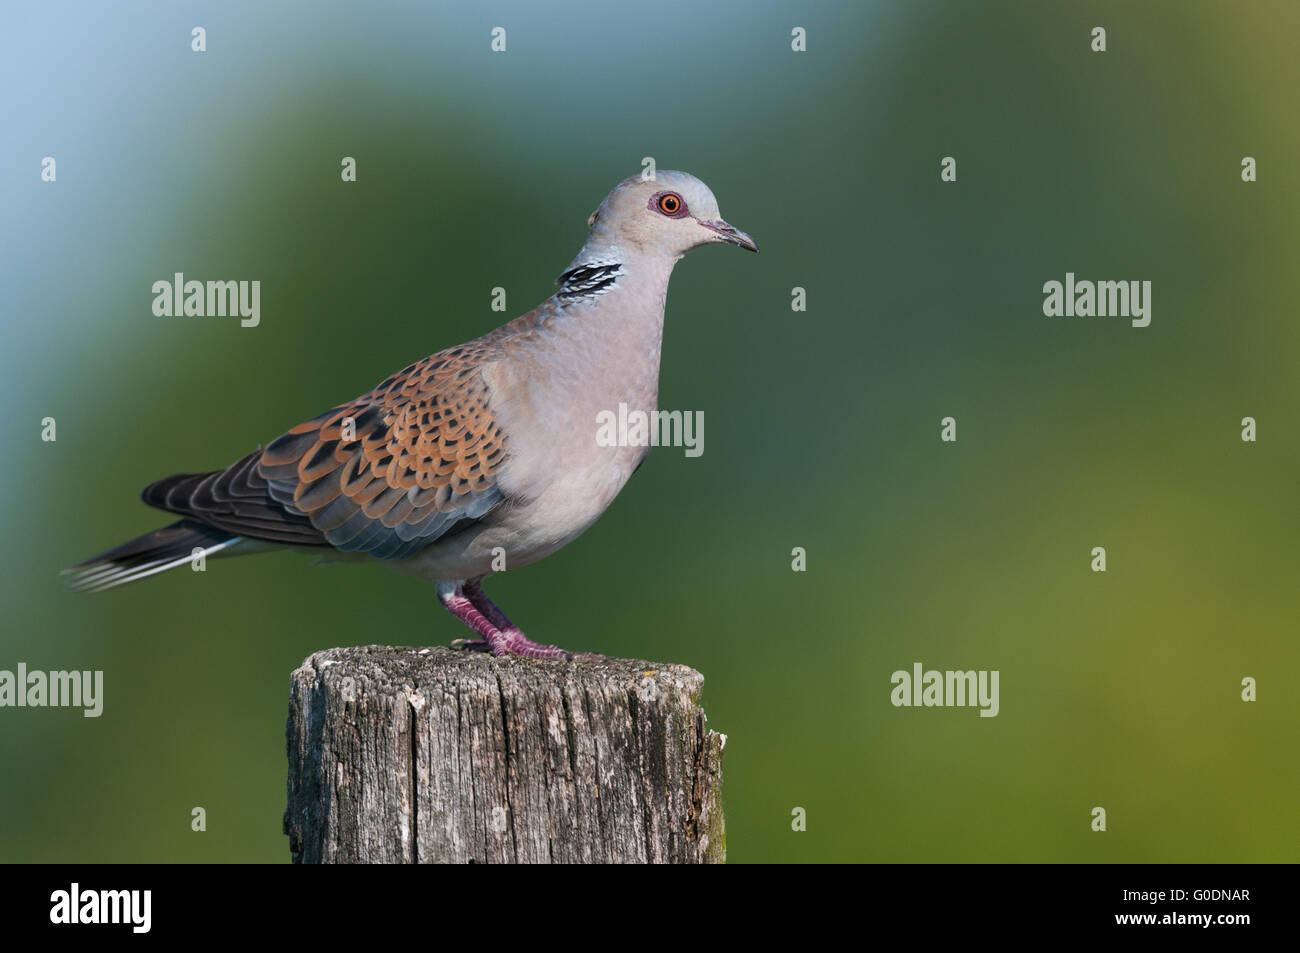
[{"x": 419, "y": 458}]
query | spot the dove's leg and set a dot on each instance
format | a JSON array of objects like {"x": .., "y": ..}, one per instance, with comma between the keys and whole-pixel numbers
[
  {"x": 496, "y": 633},
  {"x": 491, "y": 611},
  {"x": 516, "y": 642},
  {"x": 455, "y": 602}
]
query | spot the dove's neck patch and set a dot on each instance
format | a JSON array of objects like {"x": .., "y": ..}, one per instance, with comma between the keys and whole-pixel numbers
[{"x": 589, "y": 280}]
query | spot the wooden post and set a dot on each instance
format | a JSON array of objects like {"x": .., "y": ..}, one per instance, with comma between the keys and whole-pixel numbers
[{"x": 400, "y": 755}]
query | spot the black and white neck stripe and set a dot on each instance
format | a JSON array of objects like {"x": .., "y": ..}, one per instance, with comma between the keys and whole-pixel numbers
[{"x": 588, "y": 281}]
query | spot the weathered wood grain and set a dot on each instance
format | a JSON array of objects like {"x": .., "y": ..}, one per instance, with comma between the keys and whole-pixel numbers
[{"x": 400, "y": 755}]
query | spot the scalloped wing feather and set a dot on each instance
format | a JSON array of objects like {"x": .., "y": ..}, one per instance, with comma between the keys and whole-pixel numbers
[{"x": 392, "y": 471}]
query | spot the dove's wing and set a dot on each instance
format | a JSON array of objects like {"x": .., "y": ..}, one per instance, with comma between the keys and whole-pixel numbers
[
  {"x": 236, "y": 499},
  {"x": 385, "y": 474}
]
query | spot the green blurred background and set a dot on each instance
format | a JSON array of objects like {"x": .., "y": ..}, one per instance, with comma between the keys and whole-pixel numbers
[{"x": 822, "y": 428}]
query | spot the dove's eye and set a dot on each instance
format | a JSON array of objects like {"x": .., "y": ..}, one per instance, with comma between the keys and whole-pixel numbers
[{"x": 669, "y": 203}]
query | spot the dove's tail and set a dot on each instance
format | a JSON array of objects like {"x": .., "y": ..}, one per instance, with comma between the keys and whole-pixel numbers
[{"x": 146, "y": 555}]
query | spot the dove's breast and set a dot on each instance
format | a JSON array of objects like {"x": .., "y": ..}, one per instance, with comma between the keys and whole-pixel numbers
[{"x": 553, "y": 394}]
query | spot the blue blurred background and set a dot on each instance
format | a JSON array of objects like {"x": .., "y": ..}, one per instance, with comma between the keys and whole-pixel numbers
[{"x": 478, "y": 169}]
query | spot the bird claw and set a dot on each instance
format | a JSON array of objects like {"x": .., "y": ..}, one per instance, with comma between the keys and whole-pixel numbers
[{"x": 516, "y": 645}]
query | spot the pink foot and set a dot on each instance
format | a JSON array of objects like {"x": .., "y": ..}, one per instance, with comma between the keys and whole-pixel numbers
[{"x": 496, "y": 633}]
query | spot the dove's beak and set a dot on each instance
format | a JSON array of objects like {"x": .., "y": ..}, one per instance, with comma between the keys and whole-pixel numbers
[{"x": 727, "y": 233}]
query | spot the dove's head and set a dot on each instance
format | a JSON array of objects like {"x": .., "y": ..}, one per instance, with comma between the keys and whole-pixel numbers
[{"x": 667, "y": 215}]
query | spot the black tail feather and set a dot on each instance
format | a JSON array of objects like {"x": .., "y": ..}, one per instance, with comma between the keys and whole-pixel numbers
[{"x": 146, "y": 555}]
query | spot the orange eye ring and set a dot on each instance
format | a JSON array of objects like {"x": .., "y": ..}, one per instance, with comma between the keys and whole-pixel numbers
[{"x": 668, "y": 203}]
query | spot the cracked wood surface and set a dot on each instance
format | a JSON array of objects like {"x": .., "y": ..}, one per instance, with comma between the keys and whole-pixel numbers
[{"x": 402, "y": 755}]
